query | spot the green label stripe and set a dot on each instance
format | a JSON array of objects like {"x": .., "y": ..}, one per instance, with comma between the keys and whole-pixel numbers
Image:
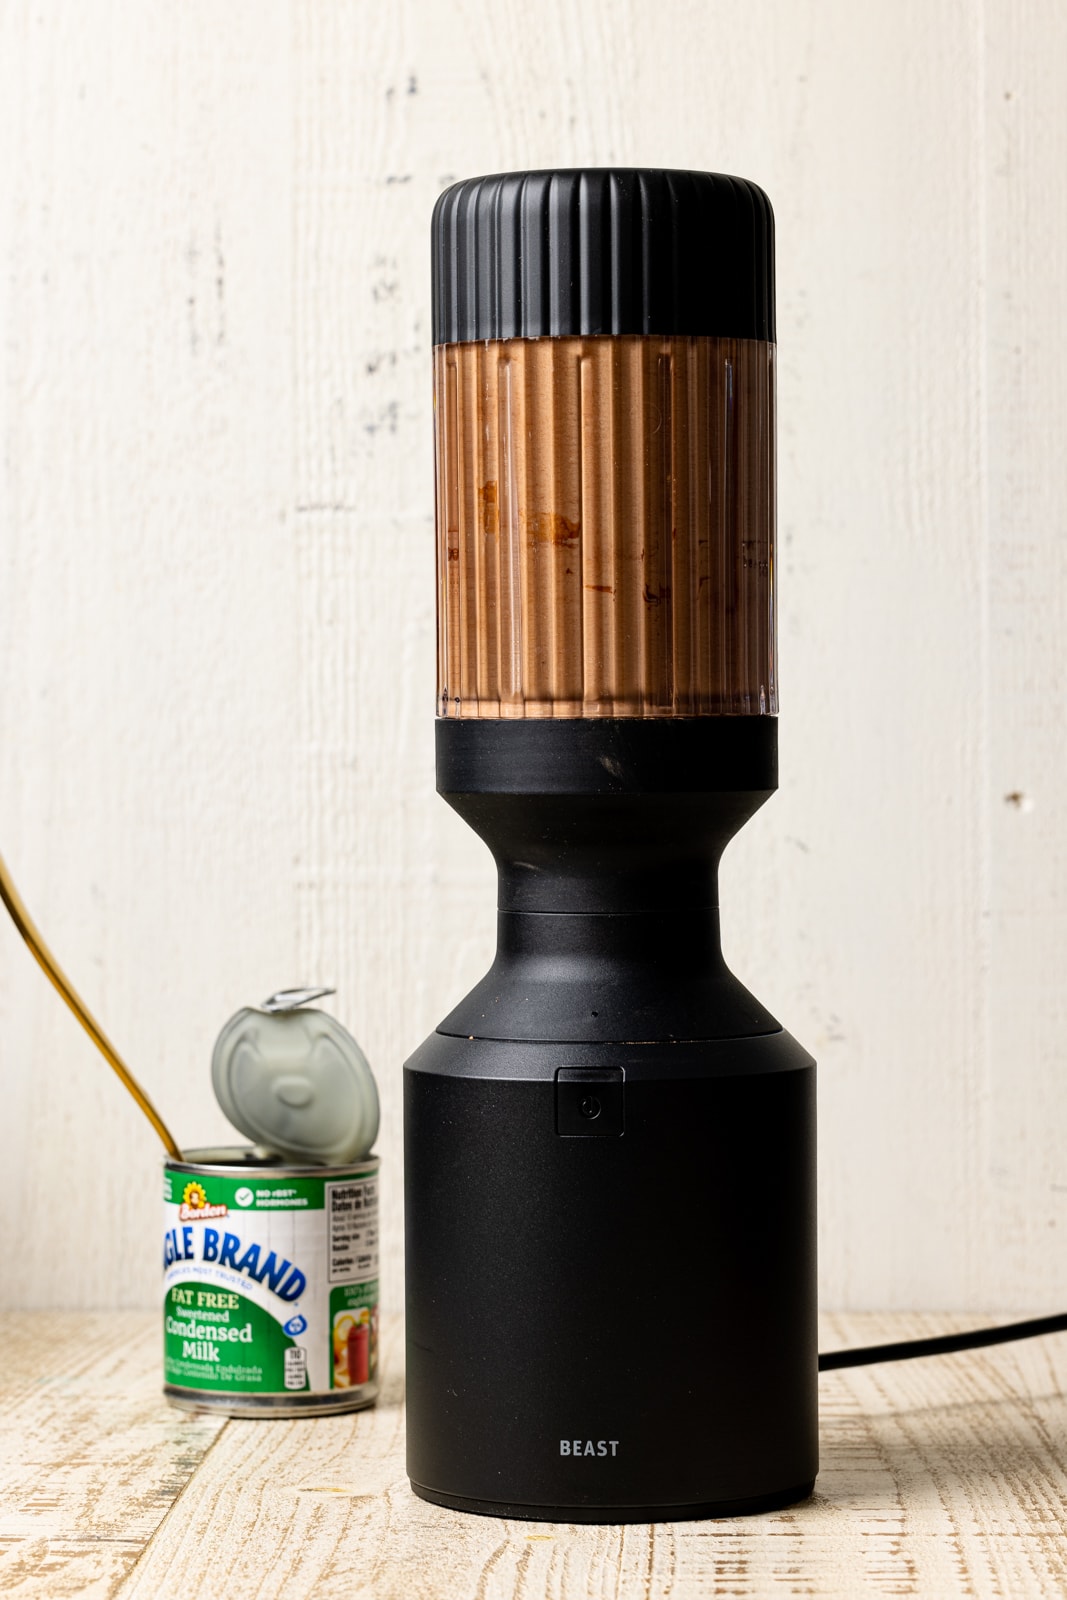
[
  {"x": 262, "y": 1190},
  {"x": 240, "y": 1347}
]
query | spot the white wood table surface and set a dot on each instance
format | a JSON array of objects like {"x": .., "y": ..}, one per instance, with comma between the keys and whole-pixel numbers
[{"x": 940, "y": 1477}]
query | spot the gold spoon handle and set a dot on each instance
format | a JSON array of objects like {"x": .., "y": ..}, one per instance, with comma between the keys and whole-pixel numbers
[{"x": 54, "y": 973}]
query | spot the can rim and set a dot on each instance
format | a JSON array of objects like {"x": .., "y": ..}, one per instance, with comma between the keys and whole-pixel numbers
[{"x": 241, "y": 1162}]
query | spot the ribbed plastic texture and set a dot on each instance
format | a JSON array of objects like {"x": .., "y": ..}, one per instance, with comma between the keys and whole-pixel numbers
[
  {"x": 605, "y": 516},
  {"x": 603, "y": 250}
]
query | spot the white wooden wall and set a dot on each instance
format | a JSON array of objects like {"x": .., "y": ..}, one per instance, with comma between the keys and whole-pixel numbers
[{"x": 216, "y": 590}]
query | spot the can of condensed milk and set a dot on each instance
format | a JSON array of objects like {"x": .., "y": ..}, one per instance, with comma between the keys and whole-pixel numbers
[{"x": 270, "y": 1278}]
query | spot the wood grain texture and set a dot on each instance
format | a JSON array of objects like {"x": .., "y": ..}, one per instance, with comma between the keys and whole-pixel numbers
[
  {"x": 217, "y": 576},
  {"x": 940, "y": 1477},
  {"x": 91, "y": 1457}
]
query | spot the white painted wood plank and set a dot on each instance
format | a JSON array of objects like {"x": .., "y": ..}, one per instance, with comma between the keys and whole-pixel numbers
[
  {"x": 91, "y": 1456},
  {"x": 1026, "y": 1154}
]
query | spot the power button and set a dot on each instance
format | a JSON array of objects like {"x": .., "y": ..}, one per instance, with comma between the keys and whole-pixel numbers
[{"x": 589, "y": 1102}]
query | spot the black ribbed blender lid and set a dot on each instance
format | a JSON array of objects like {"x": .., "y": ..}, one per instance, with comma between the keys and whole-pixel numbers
[{"x": 588, "y": 250}]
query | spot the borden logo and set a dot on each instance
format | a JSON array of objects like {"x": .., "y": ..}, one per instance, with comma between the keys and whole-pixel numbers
[{"x": 194, "y": 1206}]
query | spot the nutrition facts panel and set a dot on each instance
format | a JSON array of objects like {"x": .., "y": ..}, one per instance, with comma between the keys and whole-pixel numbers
[{"x": 352, "y": 1212}]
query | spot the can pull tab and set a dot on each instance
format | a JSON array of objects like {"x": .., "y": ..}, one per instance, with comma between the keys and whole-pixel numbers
[{"x": 290, "y": 999}]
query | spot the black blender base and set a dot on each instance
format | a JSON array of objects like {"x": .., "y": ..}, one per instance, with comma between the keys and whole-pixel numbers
[
  {"x": 617, "y": 1514},
  {"x": 610, "y": 1152}
]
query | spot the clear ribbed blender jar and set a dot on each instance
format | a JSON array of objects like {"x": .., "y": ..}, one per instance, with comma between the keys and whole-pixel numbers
[{"x": 606, "y": 519}]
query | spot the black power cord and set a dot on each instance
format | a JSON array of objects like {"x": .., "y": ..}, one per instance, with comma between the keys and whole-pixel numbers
[{"x": 945, "y": 1344}]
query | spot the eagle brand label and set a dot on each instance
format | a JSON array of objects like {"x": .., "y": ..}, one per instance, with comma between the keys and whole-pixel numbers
[{"x": 270, "y": 1280}]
